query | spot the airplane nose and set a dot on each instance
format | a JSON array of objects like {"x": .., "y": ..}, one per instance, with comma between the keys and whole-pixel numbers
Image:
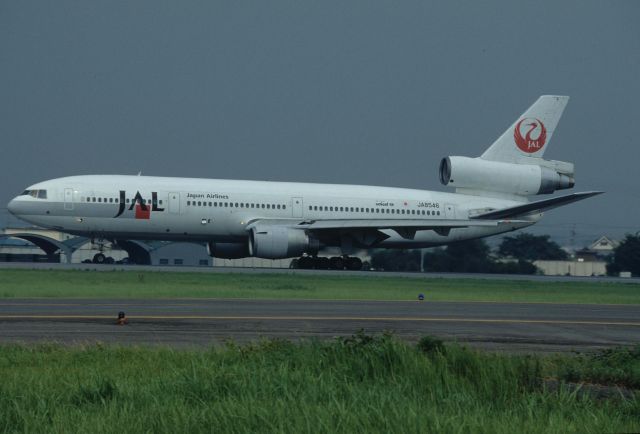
[{"x": 13, "y": 207}]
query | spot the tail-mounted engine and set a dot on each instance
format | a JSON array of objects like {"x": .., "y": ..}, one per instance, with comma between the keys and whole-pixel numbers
[{"x": 477, "y": 174}]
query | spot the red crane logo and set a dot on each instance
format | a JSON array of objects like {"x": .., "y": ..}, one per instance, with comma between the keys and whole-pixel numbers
[{"x": 527, "y": 143}]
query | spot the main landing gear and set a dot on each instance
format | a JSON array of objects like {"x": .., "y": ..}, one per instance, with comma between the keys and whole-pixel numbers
[{"x": 333, "y": 263}]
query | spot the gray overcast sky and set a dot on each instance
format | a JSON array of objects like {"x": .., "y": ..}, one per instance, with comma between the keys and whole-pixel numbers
[{"x": 366, "y": 92}]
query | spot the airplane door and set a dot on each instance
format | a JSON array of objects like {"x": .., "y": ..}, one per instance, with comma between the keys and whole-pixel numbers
[
  {"x": 174, "y": 203},
  {"x": 296, "y": 206},
  {"x": 68, "y": 199},
  {"x": 449, "y": 211}
]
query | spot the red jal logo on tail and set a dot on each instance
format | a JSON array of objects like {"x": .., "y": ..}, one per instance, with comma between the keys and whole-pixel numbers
[{"x": 527, "y": 143}]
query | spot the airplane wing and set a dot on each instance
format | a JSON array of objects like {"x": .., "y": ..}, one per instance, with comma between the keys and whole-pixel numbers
[
  {"x": 406, "y": 228},
  {"x": 535, "y": 207},
  {"x": 418, "y": 224}
]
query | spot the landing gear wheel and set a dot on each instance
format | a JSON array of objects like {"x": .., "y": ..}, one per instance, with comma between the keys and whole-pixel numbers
[
  {"x": 336, "y": 263},
  {"x": 322, "y": 263},
  {"x": 99, "y": 258},
  {"x": 305, "y": 263},
  {"x": 354, "y": 264}
]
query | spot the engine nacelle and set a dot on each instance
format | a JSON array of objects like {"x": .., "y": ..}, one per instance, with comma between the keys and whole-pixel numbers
[
  {"x": 279, "y": 242},
  {"x": 227, "y": 250},
  {"x": 521, "y": 179}
]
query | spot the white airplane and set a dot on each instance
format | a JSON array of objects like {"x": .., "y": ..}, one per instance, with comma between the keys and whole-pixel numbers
[{"x": 283, "y": 219}]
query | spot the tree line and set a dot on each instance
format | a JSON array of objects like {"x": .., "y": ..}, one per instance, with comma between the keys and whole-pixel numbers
[{"x": 515, "y": 255}]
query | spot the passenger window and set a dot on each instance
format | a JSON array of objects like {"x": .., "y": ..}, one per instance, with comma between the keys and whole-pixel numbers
[
  {"x": 160, "y": 201},
  {"x": 116, "y": 200},
  {"x": 99, "y": 199},
  {"x": 88, "y": 199},
  {"x": 284, "y": 207}
]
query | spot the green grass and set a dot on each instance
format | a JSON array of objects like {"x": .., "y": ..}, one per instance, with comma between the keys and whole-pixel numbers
[
  {"x": 359, "y": 384},
  {"x": 132, "y": 284}
]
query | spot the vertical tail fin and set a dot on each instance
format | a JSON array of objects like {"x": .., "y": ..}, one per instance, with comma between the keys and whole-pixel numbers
[{"x": 530, "y": 134}]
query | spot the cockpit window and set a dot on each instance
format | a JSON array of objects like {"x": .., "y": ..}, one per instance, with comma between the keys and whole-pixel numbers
[{"x": 38, "y": 194}]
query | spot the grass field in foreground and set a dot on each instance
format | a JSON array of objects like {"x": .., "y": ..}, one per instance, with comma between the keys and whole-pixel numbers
[
  {"x": 133, "y": 284},
  {"x": 358, "y": 384}
]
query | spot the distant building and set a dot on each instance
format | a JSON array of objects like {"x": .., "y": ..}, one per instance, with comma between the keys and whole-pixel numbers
[
  {"x": 599, "y": 250},
  {"x": 588, "y": 261},
  {"x": 604, "y": 246},
  {"x": 253, "y": 262},
  {"x": 180, "y": 254},
  {"x": 44, "y": 245},
  {"x": 572, "y": 268}
]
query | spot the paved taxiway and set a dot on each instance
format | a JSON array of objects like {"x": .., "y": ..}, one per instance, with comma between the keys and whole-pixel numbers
[{"x": 197, "y": 322}]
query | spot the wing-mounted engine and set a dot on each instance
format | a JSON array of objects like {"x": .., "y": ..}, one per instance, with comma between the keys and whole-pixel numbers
[
  {"x": 227, "y": 250},
  {"x": 278, "y": 242},
  {"x": 527, "y": 177}
]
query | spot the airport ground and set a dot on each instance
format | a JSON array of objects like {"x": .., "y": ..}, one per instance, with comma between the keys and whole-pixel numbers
[
  {"x": 264, "y": 352},
  {"x": 183, "y": 309}
]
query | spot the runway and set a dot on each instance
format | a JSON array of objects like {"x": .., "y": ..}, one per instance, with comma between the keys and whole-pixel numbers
[{"x": 513, "y": 327}]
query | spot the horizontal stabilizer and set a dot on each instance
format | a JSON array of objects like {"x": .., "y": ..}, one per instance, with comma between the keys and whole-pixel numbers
[{"x": 535, "y": 207}]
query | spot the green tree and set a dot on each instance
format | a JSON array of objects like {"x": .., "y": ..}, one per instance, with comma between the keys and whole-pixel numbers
[
  {"x": 396, "y": 260},
  {"x": 626, "y": 256},
  {"x": 531, "y": 247},
  {"x": 470, "y": 256}
]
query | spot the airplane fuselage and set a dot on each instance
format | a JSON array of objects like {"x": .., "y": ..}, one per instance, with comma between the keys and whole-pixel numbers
[{"x": 190, "y": 209}]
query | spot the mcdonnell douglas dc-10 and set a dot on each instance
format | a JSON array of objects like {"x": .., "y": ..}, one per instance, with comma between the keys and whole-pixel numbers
[{"x": 283, "y": 219}]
